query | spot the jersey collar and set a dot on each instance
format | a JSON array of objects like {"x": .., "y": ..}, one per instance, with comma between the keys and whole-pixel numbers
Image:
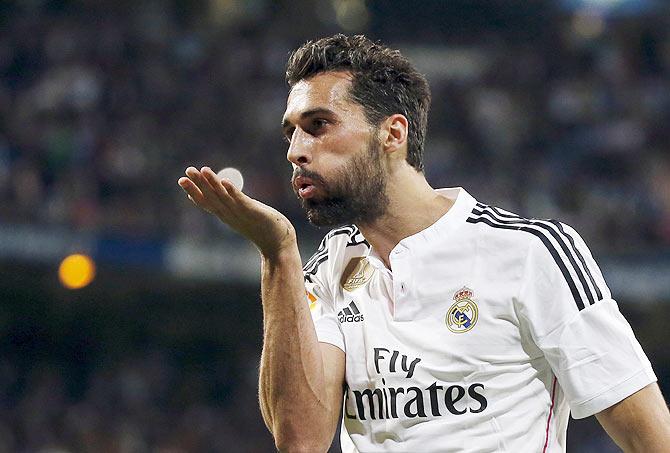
[{"x": 454, "y": 217}]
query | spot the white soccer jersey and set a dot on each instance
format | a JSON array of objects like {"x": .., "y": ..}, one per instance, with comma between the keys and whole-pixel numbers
[{"x": 484, "y": 335}]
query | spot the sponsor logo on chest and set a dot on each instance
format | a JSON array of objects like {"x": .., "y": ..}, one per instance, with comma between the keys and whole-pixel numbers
[
  {"x": 349, "y": 313},
  {"x": 410, "y": 399}
]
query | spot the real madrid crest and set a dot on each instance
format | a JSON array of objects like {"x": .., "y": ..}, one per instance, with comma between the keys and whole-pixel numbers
[
  {"x": 463, "y": 313},
  {"x": 357, "y": 273}
]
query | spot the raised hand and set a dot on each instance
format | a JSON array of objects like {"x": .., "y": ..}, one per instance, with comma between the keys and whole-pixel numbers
[{"x": 263, "y": 225}]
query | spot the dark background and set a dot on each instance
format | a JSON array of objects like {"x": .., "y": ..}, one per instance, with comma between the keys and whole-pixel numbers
[{"x": 550, "y": 109}]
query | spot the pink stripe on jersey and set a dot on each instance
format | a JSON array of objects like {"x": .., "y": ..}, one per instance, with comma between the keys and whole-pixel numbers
[{"x": 551, "y": 409}]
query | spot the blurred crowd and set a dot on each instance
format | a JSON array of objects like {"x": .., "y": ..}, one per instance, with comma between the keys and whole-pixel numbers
[
  {"x": 143, "y": 404},
  {"x": 102, "y": 108},
  {"x": 171, "y": 368}
]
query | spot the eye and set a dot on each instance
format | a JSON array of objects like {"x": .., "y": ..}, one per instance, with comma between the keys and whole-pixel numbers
[
  {"x": 317, "y": 126},
  {"x": 288, "y": 133},
  {"x": 318, "y": 123}
]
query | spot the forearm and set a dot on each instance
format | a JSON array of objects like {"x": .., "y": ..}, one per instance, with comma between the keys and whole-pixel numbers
[
  {"x": 640, "y": 423},
  {"x": 650, "y": 436},
  {"x": 292, "y": 384},
  {"x": 646, "y": 438},
  {"x": 294, "y": 395}
]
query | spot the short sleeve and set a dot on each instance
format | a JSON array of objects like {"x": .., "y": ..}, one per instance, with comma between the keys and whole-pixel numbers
[
  {"x": 323, "y": 312},
  {"x": 569, "y": 311}
]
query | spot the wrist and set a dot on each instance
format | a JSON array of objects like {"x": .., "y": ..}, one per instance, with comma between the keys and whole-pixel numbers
[{"x": 287, "y": 249}]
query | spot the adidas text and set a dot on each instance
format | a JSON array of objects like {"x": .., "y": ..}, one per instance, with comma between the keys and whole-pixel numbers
[
  {"x": 350, "y": 313},
  {"x": 350, "y": 318}
]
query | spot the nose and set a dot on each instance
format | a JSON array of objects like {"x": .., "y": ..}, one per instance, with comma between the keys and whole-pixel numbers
[{"x": 298, "y": 153}]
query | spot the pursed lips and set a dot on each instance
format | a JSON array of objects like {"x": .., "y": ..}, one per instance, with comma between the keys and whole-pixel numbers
[{"x": 304, "y": 186}]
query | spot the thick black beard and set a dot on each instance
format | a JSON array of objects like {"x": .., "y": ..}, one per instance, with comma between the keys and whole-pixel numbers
[{"x": 355, "y": 194}]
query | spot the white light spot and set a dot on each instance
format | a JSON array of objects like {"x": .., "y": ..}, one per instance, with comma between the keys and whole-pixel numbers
[{"x": 233, "y": 175}]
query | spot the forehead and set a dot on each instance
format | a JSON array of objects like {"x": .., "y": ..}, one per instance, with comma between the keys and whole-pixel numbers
[{"x": 328, "y": 90}]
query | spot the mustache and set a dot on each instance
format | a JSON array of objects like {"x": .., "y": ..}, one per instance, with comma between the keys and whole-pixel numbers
[{"x": 307, "y": 174}]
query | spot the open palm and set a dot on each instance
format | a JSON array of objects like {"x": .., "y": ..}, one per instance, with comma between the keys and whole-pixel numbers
[{"x": 263, "y": 225}]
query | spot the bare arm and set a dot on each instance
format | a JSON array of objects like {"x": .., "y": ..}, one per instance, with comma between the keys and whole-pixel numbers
[
  {"x": 639, "y": 423},
  {"x": 301, "y": 380}
]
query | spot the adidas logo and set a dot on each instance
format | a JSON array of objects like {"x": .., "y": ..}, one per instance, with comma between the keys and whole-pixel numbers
[{"x": 350, "y": 314}]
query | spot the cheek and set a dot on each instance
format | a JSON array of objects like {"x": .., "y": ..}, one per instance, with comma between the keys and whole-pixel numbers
[
  {"x": 348, "y": 139},
  {"x": 331, "y": 156},
  {"x": 336, "y": 152}
]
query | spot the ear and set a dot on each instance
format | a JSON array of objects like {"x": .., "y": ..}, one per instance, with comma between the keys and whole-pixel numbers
[{"x": 395, "y": 131}]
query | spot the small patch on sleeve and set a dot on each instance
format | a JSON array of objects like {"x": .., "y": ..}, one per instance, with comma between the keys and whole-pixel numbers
[
  {"x": 357, "y": 273},
  {"x": 312, "y": 300}
]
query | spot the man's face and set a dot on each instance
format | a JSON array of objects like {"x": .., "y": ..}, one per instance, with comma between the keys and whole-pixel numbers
[{"x": 339, "y": 173}]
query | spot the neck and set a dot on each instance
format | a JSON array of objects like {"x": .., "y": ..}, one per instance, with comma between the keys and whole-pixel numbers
[{"x": 413, "y": 206}]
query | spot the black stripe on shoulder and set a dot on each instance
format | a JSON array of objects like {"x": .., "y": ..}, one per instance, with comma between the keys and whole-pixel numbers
[
  {"x": 315, "y": 265},
  {"x": 558, "y": 225},
  {"x": 323, "y": 246},
  {"x": 478, "y": 217},
  {"x": 354, "y": 238},
  {"x": 550, "y": 228},
  {"x": 357, "y": 238}
]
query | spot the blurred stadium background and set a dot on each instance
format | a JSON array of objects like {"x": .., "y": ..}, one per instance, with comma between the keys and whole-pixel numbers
[{"x": 548, "y": 108}]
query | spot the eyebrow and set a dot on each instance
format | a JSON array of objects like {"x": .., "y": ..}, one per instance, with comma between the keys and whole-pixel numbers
[{"x": 306, "y": 114}]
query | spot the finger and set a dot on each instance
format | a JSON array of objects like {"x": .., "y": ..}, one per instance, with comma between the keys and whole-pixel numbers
[
  {"x": 201, "y": 206},
  {"x": 216, "y": 183},
  {"x": 231, "y": 189},
  {"x": 213, "y": 185},
  {"x": 200, "y": 181},
  {"x": 184, "y": 182},
  {"x": 192, "y": 190}
]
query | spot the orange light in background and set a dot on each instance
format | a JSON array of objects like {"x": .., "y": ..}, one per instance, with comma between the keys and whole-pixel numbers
[{"x": 76, "y": 271}]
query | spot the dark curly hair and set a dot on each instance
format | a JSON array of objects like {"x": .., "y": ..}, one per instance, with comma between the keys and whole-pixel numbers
[{"x": 383, "y": 82}]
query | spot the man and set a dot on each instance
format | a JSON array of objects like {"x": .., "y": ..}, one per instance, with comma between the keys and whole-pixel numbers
[{"x": 433, "y": 322}]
